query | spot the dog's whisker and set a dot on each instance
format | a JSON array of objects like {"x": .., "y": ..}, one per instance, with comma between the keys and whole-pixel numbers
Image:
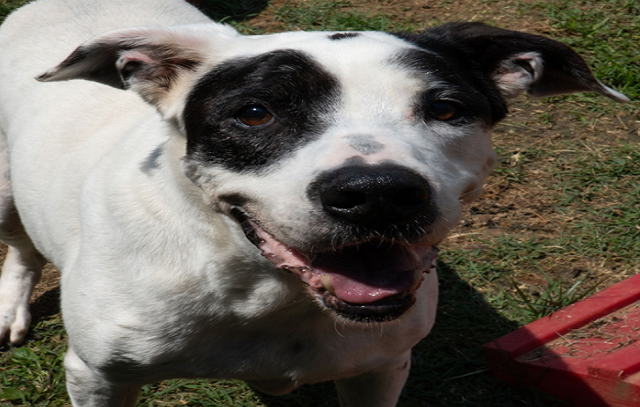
[{"x": 336, "y": 327}]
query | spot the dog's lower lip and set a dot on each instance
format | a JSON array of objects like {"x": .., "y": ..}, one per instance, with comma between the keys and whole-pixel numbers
[
  {"x": 383, "y": 310},
  {"x": 368, "y": 278}
]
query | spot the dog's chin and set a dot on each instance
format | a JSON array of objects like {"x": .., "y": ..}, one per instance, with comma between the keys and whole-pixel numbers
[{"x": 365, "y": 281}]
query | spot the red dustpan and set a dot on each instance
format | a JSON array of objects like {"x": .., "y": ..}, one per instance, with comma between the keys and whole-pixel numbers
[{"x": 587, "y": 353}]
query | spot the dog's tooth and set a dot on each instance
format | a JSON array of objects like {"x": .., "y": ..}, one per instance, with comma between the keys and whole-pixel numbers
[{"x": 326, "y": 283}]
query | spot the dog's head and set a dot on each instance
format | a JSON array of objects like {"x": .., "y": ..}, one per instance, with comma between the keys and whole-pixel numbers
[{"x": 345, "y": 157}]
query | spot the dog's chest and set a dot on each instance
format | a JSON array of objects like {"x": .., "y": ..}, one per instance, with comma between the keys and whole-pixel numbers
[{"x": 300, "y": 351}]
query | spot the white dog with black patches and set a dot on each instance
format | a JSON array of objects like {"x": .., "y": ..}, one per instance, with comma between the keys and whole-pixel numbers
[{"x": 264, "y": 208}]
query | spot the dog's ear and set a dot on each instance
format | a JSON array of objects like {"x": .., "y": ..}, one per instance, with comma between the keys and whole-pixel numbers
[
  {"x": 518, "y": 62},
  {"x": 153, "y": 62}
]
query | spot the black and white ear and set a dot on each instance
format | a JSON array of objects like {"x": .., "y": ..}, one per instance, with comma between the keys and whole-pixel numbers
[
  {"x": 519, "y": 62},
  {"x": 155, "y": 62}
]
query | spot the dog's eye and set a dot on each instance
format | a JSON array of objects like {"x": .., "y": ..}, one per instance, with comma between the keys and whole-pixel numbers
[
  {"x": 443, "y": 110},
  {"x": 254, "y": 116}
]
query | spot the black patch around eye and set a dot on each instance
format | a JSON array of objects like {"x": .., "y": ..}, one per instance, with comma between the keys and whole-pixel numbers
[
  {"x": 288, "y": 84},
  {"x": 342, "y": 36},
  {"x": 454, "y": 79},
  {"x": 452, "y": 107}
]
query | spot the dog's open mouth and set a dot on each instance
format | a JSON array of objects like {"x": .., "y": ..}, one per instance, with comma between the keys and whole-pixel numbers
[{"x": 371, "y": 281}]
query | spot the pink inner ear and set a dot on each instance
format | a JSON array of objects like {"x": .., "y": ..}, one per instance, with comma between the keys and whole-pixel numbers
[
  {"x": 518, "y": 73},
  {"x": 135, "y": 57}
]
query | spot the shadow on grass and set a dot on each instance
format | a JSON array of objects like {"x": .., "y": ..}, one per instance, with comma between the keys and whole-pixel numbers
[
  {"x": 448, "y": 368},
  {"x": 46, "y": 305},
  {"x": 231, "y": 10}
]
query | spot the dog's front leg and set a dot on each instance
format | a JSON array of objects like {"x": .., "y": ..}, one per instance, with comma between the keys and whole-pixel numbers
[
  {"x": 21, "y": 271},
  {"x": 380, "y": 388},
  {"x": 89, "y": 388}
]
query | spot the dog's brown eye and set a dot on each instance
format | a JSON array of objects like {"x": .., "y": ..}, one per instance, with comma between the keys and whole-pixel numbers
[
  {"x": 254, "y": 116},
  {"x": 443, "y": 110}
]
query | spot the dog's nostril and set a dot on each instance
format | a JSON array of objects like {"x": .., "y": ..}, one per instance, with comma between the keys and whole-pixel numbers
[
  {"x": 374, "y": 195},
  {"x": 341, "y": 199},
  {"x": 410, "y": 197}
]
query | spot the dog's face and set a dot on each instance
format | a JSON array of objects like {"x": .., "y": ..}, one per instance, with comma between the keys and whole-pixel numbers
[{"x": 345, "y": 157}]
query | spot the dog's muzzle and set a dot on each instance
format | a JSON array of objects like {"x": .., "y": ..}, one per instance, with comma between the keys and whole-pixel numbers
[{"x": 380, "y": 214}]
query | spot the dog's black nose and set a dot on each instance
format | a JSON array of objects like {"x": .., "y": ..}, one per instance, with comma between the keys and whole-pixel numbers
[{"x": 374, "y": 195}]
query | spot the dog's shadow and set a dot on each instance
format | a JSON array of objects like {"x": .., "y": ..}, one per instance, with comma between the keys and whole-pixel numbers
[
  {"x": 448, "y": 367},
  {"x": 231, "y": 10},
  {"x": 46, "y": 305}
]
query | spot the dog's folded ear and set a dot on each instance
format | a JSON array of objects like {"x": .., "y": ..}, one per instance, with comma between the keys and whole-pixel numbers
[
  {"x": 154, "y": 62},
  {"x": 517, "y": 61}
]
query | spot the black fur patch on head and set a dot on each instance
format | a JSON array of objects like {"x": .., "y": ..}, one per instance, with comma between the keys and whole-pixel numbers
[
  {"x": 444, "y": 61},
  {"x": 342, "y": 36},
  {"x": 294, "y": 89}
]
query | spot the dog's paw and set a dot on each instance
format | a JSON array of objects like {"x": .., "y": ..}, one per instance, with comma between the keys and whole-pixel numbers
[
  {"x": 14, "y": 322},
  {"x": 20, "y": 273}
]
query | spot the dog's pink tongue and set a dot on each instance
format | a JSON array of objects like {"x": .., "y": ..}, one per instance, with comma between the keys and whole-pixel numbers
[
  {"x": 367, "y": 274},
  {"x": 357, "y": 275}
]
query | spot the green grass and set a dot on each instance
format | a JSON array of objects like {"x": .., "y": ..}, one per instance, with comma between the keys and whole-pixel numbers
[
  {"x": 599, "y": 193},
  {"x": 6, "y": 6},
  {"x": 608, "y": 33},
  {"x": 323, "y": 15},
  {"x": 492, "y": 283},
  {"x": 602, "y": 189},
  {"x": 33, "y": 374},
  {"x": 555, "y": 296},
  {"x": 333, "y": 16}
]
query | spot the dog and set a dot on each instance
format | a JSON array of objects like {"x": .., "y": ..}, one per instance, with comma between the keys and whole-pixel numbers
[{"x": 264, "y": 208}]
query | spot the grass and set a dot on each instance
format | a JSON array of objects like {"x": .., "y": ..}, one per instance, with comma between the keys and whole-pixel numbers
[
  {"x": 33, "y": 374},
  {"x": 333, "y": 15},
  {"x": 559, "y": 220},
  {"x": 555, "y": 296},
  {"x": 323, "y": 15},
  {"x": 601, "y": 190},
  {"x": 6, "y": 6},
  {"x": 608, "y": 32}
]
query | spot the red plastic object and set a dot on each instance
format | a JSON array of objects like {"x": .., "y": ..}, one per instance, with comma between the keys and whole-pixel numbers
[{"x": 587, "y": 353}]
